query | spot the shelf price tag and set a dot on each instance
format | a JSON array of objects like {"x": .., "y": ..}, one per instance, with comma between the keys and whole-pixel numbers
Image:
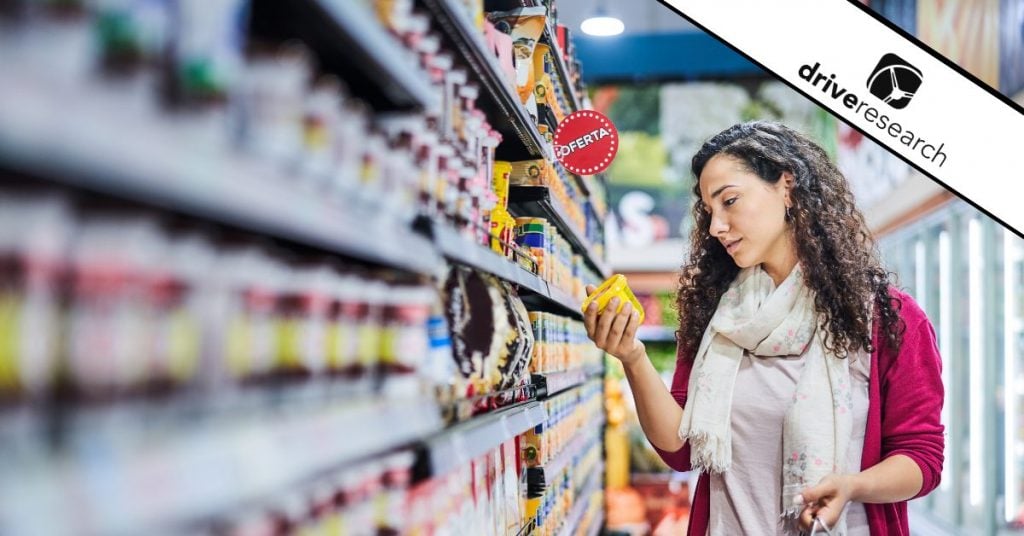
[{"x": 586, "y": 142}]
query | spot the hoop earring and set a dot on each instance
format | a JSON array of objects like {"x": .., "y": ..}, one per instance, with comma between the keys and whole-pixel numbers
[{"x": 788, "y": 217}]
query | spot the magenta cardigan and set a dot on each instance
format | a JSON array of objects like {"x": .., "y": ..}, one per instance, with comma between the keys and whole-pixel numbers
[{"x": 905, "y": 399}]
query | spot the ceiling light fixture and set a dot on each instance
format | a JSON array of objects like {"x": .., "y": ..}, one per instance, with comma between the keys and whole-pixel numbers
[{"x": 601, "y": 23}]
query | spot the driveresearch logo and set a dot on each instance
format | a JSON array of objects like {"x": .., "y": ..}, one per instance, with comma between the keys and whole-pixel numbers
[
  {"x": 897, "y": 93},
  {"x": 895, "y": 81}
]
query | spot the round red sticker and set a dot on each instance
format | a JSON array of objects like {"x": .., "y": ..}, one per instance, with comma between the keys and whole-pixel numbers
[{"x": 586, "y": 142}]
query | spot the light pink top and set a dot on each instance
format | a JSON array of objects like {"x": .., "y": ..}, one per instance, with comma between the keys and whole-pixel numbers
[{"x": 745, "y": 499}]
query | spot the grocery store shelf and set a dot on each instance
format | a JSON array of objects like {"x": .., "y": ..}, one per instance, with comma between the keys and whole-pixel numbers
[
  {"x": 549, "y": 37},
  {"x": 537, "y": 202},
  {"x": 656, "y": 334},
  {"x": 521, "y": 139},
  {"x": 350, "y": 41},
  {"x": 561, "y": 67},
  {"x": 458, "y": 249},
  {"x": 460, "y": 444},
  {"x": 601, "y": 215},
  {"x": 107, "y": 483},
  {"x": 581, "y": 503},
  {"x": 566, "y": 301},
  {"x": 546, "y": 115},
  {"x": 552, "y": 383},
  {"x": 552, "y": 469},
  {"x": 102, "y": 145},
  {"x": 581, "y": 183}
]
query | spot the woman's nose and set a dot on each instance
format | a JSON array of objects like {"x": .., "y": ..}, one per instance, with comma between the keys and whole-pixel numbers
[{"x": 718, "y": 226}]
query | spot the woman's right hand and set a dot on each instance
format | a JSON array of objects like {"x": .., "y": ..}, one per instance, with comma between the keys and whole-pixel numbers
[{"x": 614, "y": 333}]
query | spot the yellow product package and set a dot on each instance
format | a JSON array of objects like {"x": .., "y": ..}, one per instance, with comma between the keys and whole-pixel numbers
[
  {"x": 615, "y": 287},
  {"x": 502, "y": 231},
  {"x": 529, "y": 173},
  {"x": 500, "y": 180}
]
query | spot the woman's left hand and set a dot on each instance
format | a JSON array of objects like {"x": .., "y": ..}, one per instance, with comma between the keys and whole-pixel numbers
[{"x": 826, "y": 500}]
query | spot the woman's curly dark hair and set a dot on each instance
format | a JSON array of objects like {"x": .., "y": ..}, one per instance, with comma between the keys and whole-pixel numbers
[{"x": 833, "y": 244}]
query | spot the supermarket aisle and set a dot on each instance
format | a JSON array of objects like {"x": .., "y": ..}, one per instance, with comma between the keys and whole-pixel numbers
[{"x": 284, "y": 267}]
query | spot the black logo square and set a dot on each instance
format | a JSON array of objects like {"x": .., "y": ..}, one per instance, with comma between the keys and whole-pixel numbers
[{"x": 894, "y": 81}]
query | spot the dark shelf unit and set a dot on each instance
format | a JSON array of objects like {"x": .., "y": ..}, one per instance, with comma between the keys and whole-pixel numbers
[
  {"x": 521, "y": 139},
  {"x": 537, "y": 202},
  {"x": 460, "y": 444},
  {"x": 349, "y": 42}
]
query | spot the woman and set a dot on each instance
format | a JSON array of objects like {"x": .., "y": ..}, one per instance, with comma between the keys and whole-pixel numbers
[{"x": 807, "y": 389}]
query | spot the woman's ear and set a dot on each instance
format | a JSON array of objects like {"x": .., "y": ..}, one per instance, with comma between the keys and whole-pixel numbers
[{"x": 787, "y": 181}]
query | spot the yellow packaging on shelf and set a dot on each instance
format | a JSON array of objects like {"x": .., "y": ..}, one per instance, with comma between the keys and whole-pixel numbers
[
  {"x": 529, "y": 173},
  {"x": 500, "y": 180},
  {"x": 502, "y": 230},
  {"x": 615, "y": 286}
]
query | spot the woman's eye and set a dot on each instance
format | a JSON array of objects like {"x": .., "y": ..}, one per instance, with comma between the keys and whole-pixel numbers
[{"x": 730, "y": 201}]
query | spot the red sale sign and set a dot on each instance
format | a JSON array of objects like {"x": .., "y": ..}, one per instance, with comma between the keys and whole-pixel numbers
[{"x": 586, "y": 142}]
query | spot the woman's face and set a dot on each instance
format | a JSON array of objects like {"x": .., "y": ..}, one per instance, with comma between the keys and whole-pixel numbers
[{"x": 747, "y": 213}]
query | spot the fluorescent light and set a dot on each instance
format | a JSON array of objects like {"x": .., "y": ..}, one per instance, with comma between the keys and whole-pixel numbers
[
  {"x": 602, "y": 26},
  {"x": 946, "y": 349},
  {"x": 1011, "y": 325},
  {"x": 976, "y": 360},
  {"x": 920, "y": 273}
]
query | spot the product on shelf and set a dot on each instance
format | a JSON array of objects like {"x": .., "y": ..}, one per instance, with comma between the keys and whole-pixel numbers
[
  {"x": 274, "y": 102},
  {"x": 514, "y": 360},
  {"x": 492, "y": 341},
  {"x": 500, "y": 44},
  {"x": 560, "y": 458},
  {"x": 207, "y": 47},
  {"x": 516, "y": 38},
  {"x": 569, "y": 412},
  {"x": 34, "y": 233},
  {"x": 482, "y": 497},
  {"x": 563, "y": 190},
  {"x": 551, "y": 251},
  {"x": 372, "y": 499},
  {"x": 133, "y": 312},
  {"x": 525, "y": 25},
  {"x": 561, "y": 344},
  {"x": 217, "y": 371},
  {"x": 535, "y": 482},
  {"x": 139, "y": 306}
]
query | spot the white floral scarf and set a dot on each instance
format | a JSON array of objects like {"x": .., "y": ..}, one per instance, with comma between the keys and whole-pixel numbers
[{"x": 752, "y": 317}]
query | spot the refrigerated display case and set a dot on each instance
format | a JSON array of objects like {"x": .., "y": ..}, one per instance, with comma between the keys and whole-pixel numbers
[{"x": 967, "y": 272}]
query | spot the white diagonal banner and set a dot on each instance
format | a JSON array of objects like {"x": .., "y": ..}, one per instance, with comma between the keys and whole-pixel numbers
[{"x": 885, "y": 85}]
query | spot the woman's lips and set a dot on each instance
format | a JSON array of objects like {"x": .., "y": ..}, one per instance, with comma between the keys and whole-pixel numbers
[{"x": 730, "y": 247}]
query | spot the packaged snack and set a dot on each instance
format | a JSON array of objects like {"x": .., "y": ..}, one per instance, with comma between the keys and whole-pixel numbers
[
  {"x": 34, "y": 237},
  {"x": 500, "y": 181},
  {"x": 525, "y": 25},
  {"x": 502, "y": 231},
  {"x": 501, "y": 45},
  {"x": 529, "y": 173},
  {"x": 478, "y": 322},
  {"x": 615, "y": 286},
  {"x": 514, "y": 359}
]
